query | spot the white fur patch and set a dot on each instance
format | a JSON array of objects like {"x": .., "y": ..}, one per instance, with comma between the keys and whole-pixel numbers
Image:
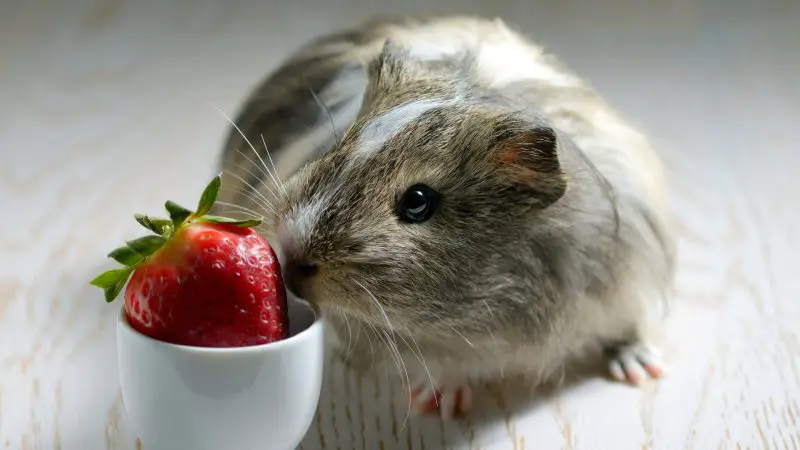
[
  {"x": 297, "y": 228},
  {"x": 382, "y": 128},
  {"x": 503, "y": 57},
  {"x": 435, "y": 42},
  {"x": 432, "y": 47},
  {"x": 503, "y": 63},
  {"x": 306, "y": 217}
]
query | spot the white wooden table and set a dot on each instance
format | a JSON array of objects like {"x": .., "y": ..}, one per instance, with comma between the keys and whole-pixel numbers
[{"x": 104, "y": 112}]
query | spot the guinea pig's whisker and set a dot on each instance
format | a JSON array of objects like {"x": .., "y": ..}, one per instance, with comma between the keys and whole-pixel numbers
[
  {"x": 276, "y": 178},
  {"x": 250, "y": 196},
  {"x": 251, "y": 193},
  {"x": 239, "y": 130},
  {"x": 240, "y": 208},
  {"x": 421, "y": 359},
  {"x": 380, "y": 308},
  {"x": 378, "y": 334},
  {"x": 242, "y": 192},
  {"x": 266, "y": 150},
  {"x": 394, "y": 352},
  {"x": 261, "y": 181},
  {"x": 324, "y": 107},
  {"x": 488, "y": 308},
  {"x": 401, "y": 365},
  {"x": 349, "y": 333},
  {"x": 261, "y": 169},
  {"x": 463, "y": 337},
  {"x": 392, "y": 344},
  {"x": 253, "y": 190}
]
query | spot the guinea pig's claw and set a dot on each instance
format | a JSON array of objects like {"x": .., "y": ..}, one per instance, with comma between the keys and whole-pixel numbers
[
  {"x": 449, "y": 401},
  {"x": 636, "y": 363}
]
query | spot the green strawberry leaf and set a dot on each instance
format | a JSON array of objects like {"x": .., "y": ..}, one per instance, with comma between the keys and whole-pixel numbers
[
  {"x": 147, "y": 245},
  {"x": 126, "y": 256},
  {"x": 112, "y": 282},
  {"x": 112, "y": 292},
  {"x": 157, "y": 225},
  {"x": 209, "y": 197},
  {"x": 143, "y": 221},
  {"x": 245, "y": 223},
  {"x": 111, "y": 277},
  {"x": 177, "y": 213},
  {"x": 161, "y": 226}
]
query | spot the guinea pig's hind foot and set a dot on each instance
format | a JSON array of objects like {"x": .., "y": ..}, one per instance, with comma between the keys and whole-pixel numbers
[
  {"x": 448, "y": 400},
  {"x": 634, "y": 363}
]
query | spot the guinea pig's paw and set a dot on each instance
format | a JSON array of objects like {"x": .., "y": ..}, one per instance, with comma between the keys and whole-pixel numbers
[
  {"x": 448, "y": 400},
  {"x": 634, "y": 363}
]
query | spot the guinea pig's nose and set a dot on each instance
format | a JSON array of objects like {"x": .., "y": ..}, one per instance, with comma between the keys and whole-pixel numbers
[{"x": 297, "y": 272}]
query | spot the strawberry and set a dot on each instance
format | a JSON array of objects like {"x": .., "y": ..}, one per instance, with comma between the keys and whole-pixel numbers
[{"x": 200, "y": 280}]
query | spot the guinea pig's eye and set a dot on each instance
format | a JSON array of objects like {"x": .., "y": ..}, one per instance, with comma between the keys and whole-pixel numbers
[{"x": 417, "y": 204}]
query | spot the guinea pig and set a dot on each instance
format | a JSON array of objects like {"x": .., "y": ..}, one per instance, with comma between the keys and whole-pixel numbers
[{"x": 458, "y": 203}]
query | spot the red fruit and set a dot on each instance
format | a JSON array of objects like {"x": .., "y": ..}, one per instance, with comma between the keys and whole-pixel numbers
[
  {"x": 201, "y": 280},
  {"x": 212, "y": 285}
]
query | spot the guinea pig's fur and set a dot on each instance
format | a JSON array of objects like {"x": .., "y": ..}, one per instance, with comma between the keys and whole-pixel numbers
[{"x": 551, "y": 233}]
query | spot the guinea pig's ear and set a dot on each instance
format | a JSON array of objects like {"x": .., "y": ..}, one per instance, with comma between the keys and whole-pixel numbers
[
  {"x": 529, "y": 158},
  {"x": 390, "y": 64}
]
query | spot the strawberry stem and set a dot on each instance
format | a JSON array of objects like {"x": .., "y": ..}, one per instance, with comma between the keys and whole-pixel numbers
[
  {"x": 177, "y": 213},
  {"x": 137, "y": 251}
]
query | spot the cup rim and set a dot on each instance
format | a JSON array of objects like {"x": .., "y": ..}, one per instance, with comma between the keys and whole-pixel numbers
[{"x": 293, "y": 340}]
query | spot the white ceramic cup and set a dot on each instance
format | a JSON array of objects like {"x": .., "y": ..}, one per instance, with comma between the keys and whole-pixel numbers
[{"x": 248, "y": 398}]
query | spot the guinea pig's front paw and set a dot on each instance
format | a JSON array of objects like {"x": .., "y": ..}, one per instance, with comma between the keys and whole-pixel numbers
[
  {"x": 449, "y": 400},
  {"x": 634, "y": 363}
]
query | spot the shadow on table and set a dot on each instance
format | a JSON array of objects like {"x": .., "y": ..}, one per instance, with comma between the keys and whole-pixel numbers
[{"x": 370, "y": 413}]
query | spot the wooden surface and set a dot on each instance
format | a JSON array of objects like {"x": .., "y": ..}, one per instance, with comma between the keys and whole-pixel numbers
[{"x": 105, "y": 112}]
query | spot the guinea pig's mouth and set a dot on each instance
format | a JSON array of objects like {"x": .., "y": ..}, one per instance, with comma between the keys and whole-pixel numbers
[
  {"x": 298, "y": 277},
  {"x": 311, "y": 283},
  {"x": 317, "y": 285}
]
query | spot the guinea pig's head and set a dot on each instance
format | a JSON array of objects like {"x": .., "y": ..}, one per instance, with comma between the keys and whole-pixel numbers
[{"x": 434, "y": 179}]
